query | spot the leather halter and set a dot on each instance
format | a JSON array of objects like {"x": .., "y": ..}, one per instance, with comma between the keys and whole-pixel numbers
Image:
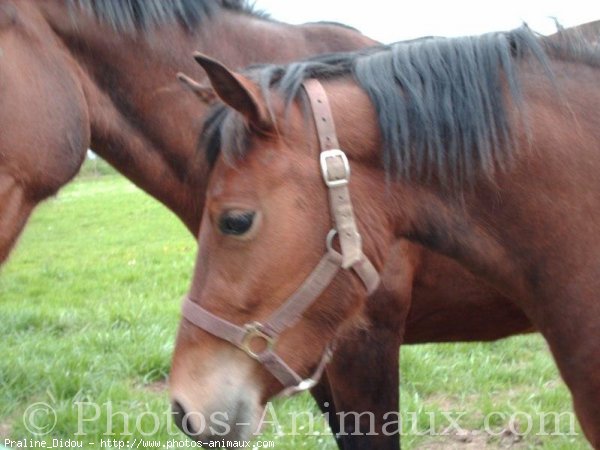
[{"x": 336, "y": 174}]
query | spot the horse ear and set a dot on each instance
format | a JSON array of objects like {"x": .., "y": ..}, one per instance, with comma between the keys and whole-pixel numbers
[
  {"x": 204, "y": 92},
  {"x": 237, "y": 91}
]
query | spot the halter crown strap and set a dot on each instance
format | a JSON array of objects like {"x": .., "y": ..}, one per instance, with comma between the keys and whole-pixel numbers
[{"x": 336, "y": 174}]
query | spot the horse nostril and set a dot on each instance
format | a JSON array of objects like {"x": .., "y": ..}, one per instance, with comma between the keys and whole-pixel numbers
[{"x": 181, "y": 419}]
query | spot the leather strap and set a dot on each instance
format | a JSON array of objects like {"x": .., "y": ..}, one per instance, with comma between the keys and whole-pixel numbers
[
  {"x": 309, "y": 291},
  {"x": 336, "y": 174},
  {"x": 212, "y": 324},
  {"x": 322, "y": 114},
  {"x": 367, "y": 272}
]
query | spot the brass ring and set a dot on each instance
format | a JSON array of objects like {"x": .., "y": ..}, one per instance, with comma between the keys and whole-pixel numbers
[{"x": 254, "y": 331}]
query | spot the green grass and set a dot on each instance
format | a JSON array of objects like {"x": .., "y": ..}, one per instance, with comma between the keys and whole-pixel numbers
[{"x": 89, "y": 304}]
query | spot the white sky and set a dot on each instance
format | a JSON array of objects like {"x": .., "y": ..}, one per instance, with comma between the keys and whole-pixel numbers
[{"x": 394, "y": 20}]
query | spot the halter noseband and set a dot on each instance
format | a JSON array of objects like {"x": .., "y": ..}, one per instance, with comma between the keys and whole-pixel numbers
[{"x": 335, "y": 169}]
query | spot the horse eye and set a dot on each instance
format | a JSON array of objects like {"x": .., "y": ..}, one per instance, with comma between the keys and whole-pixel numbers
[{"x": 236, "y": 223}]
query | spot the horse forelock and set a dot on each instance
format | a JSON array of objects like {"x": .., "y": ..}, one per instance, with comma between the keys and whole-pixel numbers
[{"x": 224, "y": 132}]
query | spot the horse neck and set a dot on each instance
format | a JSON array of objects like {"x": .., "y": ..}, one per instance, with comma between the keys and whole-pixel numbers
[
  {"x": 422, "y": 211},
  {"x": 525, "y": 229},
  {"x": 143, "y": 121}
]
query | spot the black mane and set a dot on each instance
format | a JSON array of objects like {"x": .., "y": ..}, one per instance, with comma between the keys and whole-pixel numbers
[
  {"x": 130, "y": 15},
  {"x": 440, "y": 102}
]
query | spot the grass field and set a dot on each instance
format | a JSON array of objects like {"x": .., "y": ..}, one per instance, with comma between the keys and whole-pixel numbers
[{"x": 89, "y": 304}]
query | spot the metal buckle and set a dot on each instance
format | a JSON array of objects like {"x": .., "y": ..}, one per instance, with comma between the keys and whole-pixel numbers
[
  {"x": 254, "y": 331},
  {"x": 334, "y": 153}
]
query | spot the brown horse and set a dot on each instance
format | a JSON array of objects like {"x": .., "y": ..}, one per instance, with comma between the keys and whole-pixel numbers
[
  {"x": 481, "y": 149},
  {"x": 70, "y": 81},
  {"x": 438, "y": 301}
]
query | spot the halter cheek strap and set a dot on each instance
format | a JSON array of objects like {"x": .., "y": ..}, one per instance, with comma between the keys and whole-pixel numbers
[{"x": 335, "y": 169}]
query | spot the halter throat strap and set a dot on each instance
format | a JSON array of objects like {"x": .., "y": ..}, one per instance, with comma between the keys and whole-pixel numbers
[{"x": 335, "y": 169}]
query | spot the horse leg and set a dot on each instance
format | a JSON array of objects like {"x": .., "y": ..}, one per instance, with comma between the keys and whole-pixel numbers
[
  {"x": 15, "y": 209},
  {"x": 323, "y": 395},
  {"x": 364, "y": 372},
  {"x": 573, "y": 337},
  {"x": 364, "y": 378}
]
